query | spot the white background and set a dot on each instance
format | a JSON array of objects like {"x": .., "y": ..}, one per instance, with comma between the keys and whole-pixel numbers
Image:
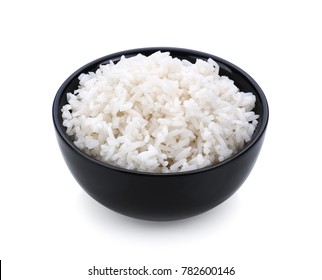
[{"x": 270, "y": 229}]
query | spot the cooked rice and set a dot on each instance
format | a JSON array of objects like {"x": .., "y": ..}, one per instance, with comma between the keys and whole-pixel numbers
[{"x": 159, "y": 114}]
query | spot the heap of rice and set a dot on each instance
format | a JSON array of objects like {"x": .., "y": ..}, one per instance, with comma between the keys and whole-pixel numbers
[{"x": 159, "y": 114}]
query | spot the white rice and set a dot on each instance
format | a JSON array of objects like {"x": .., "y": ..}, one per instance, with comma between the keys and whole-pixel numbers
[{"x": 159, "y": 114}]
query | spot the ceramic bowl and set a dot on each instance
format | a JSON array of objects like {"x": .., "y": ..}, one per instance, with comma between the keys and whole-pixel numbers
[{"x": 155, "y": 196}]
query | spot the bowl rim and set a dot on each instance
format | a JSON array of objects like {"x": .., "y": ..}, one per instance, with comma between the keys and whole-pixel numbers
[{"x": 131, "y": 52}]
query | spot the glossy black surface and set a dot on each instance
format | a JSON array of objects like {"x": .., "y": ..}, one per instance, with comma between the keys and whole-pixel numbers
[{"x": 162, "y": 196}]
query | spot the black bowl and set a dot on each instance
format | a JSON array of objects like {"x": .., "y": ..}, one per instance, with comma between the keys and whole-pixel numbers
[{"x": 156, "y": 196}]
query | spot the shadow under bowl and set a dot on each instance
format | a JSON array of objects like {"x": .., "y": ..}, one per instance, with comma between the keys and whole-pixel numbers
[{"x": 157, "y": 196}]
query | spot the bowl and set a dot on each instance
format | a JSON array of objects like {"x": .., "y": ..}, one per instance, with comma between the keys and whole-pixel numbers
[{"x": 162, "y": 196}]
